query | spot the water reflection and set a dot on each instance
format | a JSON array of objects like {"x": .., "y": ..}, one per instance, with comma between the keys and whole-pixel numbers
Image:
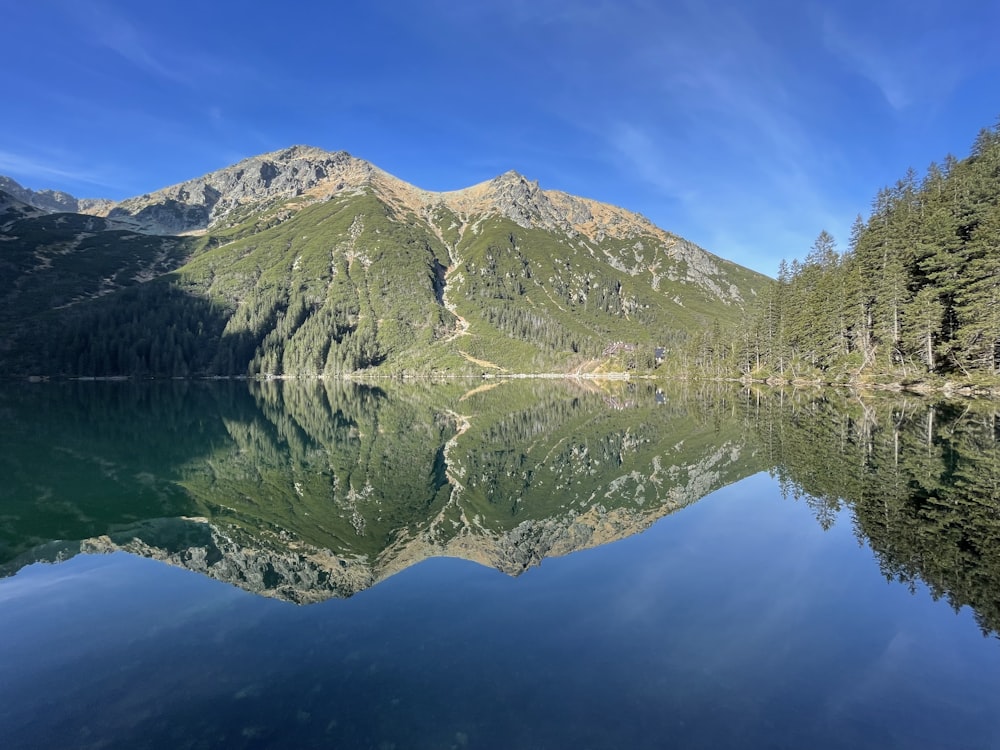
[
  {"x": 740, "y": 621},
  {"x": 313, "y": 490},
  {"x": 921, "y": 479}
]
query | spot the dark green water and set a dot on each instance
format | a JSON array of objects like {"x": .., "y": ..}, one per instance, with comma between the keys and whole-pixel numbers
[{"x": 537, "y": 565}]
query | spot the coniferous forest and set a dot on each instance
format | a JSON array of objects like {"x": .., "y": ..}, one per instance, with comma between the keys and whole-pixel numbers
[{"x": 914, "y": 299}]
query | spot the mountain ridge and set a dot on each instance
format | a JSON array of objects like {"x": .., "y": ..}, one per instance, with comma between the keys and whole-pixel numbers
[
  {"x": 308, "y": 262},
  {"x": 53, "y": 201},
  {"x": 196, "y": 205}
]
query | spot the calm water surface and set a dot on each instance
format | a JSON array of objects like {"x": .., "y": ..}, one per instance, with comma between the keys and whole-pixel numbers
[{"x": 532, "y": 566}]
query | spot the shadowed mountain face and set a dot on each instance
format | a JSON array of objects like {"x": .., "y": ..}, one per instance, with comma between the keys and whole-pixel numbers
[
  {"x": 54, "y": 201},
  {"x": 308, "y": 262},
  {"x": 305, "y": 492},
  {"x": 53, "y": 262}
]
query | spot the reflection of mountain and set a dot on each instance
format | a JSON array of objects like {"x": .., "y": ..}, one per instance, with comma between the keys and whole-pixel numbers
[
  {"x": 371, "y": 481},
  {"x": 79, "y": 459},
  {"x": 304, "y": 491},
  {"x": 553, "y": 471},
  {"x": 921, "y": 479},
  {"x": 324, "y": 489}
]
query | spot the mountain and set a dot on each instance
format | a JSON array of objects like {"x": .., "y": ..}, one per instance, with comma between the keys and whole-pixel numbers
[
  {"x": 53, "y": 263},
  {"x": 225, "y": 196},
  {"x": 54, "y": 201},
  {"x": 12, "y": 209},
  {"x": 304, "y": 491},
  {"x": 306, "y": 262}
]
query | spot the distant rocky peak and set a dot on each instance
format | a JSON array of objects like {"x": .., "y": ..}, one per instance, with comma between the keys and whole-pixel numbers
[
  {"x": 52, "y": 201},
  {"x": 310, "y": 153},
  {"x": 512, "y": 176},
  {"x": 12, "y": 209}
]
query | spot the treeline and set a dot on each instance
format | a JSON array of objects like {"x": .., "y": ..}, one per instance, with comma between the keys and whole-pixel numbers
[
  {"x": 915, "y": 296},
  {"x": 151, "y": 329}
]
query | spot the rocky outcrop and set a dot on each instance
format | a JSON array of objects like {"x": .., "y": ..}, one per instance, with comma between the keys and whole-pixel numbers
[
  {"x": 200, "y": 203},
  {"x": 12, "y": 209},
  {"x": 54, "y": 201},
  {"x": 280, "y": 569},
  {"x": 515, "y": 197}
]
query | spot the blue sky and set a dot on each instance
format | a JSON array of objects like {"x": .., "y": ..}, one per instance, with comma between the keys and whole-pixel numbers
[{"x": 746, "y": 126}]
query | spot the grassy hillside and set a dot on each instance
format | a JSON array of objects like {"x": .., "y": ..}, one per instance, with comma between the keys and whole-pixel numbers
[{"x": 570, "y": 300}]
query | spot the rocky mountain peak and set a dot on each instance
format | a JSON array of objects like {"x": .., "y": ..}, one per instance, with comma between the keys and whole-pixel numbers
[
  {"x": 513, "y": 176},
  {"x": 302, "y": 151},
  {"x": 197, "y": 204},
  {"x": 522, "y": 201},
  {"x": 310, "y": 174},
  {"x": 511, "y": 195}
]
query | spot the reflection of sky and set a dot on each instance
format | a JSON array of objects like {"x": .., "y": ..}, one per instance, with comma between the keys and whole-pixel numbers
[{"x": 737, "y": 621}]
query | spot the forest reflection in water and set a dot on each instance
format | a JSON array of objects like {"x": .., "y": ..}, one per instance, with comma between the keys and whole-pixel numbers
[
  {"x": 304, "y": 491},
  {"x": 920, "y": 477},
  {"x": 640, "y": 611}
]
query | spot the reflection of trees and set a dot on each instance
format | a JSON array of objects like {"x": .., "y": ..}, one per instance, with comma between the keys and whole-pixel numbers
[
  {"x": 563, "y": 451},
  {"x": 78, "y": 459},
  {"x": 922, "y": 480},
  {"x": 334, "y": 464}
]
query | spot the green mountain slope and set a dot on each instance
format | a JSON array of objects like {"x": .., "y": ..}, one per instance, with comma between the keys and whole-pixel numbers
[{"x": 303, "y": 262}]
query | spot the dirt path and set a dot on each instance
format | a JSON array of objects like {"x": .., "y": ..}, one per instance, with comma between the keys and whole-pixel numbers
[
  {"x": 461, "y": 324},
  {"x": 481, "y": 362}
]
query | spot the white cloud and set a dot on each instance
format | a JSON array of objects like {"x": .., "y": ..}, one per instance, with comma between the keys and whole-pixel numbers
[
  {"x": 43, "y": 169},
  {"x": 872, "y": 61},
  {"x": 910, "y": 56}
]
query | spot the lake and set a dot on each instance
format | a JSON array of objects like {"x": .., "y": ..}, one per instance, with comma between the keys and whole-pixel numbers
[{"x": 524, "y": 564}]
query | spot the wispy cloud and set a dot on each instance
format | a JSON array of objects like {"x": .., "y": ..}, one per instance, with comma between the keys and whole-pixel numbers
[
  {"x": 144, "y": 48},
  {"x": 756, "y": 217},
  {"x": 114, "y": 31},
  {"x": 647, "y": 159},
  {"x": 909, "y": 55},
  {"x": 41, "y": 171},
  {"x": 719, "y": 127},
  {"x": 874, "y": 62},
  {"x": 215, "y": 116}
]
